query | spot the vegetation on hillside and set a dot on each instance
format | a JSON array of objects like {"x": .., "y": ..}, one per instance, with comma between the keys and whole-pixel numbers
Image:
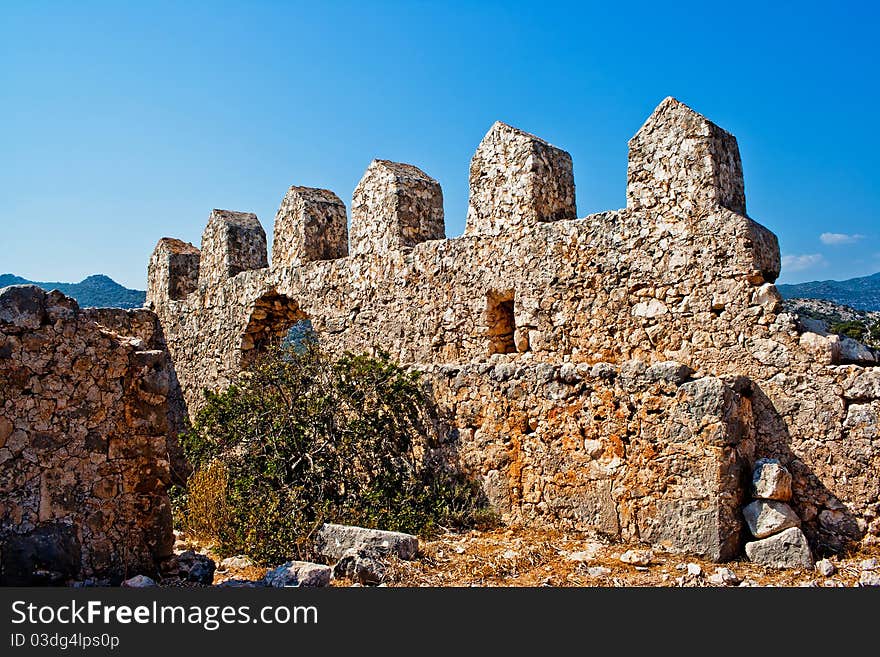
[
  {"x": 302, "y": 439},
  {"x": 97, "y": 291},
  {"x": 860, "y": 325}
]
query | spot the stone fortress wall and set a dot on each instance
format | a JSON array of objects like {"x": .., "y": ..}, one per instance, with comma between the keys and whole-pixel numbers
[
  {"x": 84, "y": 427},
  {"x": 617, "y": 372}
]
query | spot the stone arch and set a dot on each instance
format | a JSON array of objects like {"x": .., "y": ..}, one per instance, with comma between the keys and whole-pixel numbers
[{"x": 270, "y": 321}]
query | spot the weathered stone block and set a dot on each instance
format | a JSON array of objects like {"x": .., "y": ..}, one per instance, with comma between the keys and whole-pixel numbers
[
  {"x": 363, "y": 565},
  {"x": 233, "y": 242},
  {"x": 23, "y": 306},
  {"x": 680, "y": 163},
  {"x": 767, "y": 517},
  {"x": 694, "y": 452},
  {"x": 173, "y": 272},
  {"x": 771, "y": 481},
  {"x": 788, "y": 549},
  {"x": 395, "y": 206},
  {"x": 299, "y": 573},
  {"x": 518, "y": 180},
  {"x": 311, "y": 224},
  {"x": 865, "y": 386},
  {"x": 333, "y": 541}
]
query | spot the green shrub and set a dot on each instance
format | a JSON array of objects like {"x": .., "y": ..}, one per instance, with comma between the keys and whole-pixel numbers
[
  {"x": 302, "y": 439},
  {"x": 852, "y": 329}
]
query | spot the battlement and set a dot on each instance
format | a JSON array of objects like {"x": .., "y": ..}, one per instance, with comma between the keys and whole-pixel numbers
[
  {"x": 233, "y": 242},
  {"x": 682, "y": 164},
  {"x": 395, "y": 206},
  {"x": 173, "y": 272},
  {"x": 536, "y": 328},
  {"x": 517, "y": 180},
  {"x": 311, "y": 224}
]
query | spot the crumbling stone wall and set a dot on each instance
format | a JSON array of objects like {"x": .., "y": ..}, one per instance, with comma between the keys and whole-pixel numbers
[
  {"x": 631, "y": 451},
  {"x": 83, "y": 460},
  {"x": 142, "y": 329},
  {"x": 681, "y": 274}
]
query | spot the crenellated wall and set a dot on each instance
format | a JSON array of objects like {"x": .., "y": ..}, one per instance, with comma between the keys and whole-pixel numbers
[{"x": 681, "y": 274}]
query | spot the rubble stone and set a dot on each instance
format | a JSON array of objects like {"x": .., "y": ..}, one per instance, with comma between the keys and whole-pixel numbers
[
  {"x": 788, "y": 549},
  {"x": 771, "y": 481},
  {"x": 766, "y": 517},
  {"x": 299, "y": 573}
]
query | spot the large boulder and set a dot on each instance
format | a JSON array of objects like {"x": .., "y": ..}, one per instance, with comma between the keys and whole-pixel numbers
[{"x": 333, "y": 541}]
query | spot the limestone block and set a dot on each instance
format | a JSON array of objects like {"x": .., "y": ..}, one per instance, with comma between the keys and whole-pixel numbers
[
  {"x": 771, "y": 480},
  {"x": 299, "y": 573},
  {"x": 853, "y": 351},
  {"x": 363, "y": 565},
  {"x": 395, "y": 206},
  {"x": 173, "y": 272},
  {"x": 233, "y": 242},
  {"x": 788, "y": 549},
  {"x": 311, "y": 224},
  {"x": 517, "y": 180},
  {"x": 681, "y": 163},
  {"x": 767, "y": 517},
  {"x": 332, "y": 541}
]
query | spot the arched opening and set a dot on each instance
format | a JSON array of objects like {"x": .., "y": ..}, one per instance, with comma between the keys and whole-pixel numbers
[{"x": 275, "y": 319}]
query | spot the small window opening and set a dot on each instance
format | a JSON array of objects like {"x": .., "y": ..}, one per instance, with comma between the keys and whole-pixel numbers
[{"x": 500, "y": 323}]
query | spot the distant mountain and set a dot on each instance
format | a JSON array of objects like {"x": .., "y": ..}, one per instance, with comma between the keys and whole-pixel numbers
[
  {"x": 859, "y": 293},
  {"x": 95, "y": 291}
]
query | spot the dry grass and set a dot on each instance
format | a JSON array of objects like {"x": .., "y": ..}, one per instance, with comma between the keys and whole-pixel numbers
[{"x": 529, "y": 558}]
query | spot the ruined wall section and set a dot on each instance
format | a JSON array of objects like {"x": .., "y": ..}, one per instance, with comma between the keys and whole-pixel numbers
[
  {"x": 83, "y": 460},
  {"x": 631, "y": 451},
  {"x": 141, "y": 328},
  {"x": 681, "y": 274}
]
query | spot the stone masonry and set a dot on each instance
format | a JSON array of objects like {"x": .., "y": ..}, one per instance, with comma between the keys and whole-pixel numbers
[
  {"x": 537, "y": 331},
  {"x": 84, "y": 420},
  {"x": 310, "y": 225},
  {"x": 395, "y": 206}
]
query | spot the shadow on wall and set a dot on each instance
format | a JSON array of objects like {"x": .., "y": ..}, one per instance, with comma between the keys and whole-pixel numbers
[{"x": 826, "y": 521}]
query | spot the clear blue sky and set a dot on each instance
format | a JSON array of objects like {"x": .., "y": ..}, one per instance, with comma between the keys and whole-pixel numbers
[{"x": 121, "y": 123}]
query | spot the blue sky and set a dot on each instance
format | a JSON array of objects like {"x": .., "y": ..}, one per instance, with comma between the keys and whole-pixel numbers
[{"x": 121, "y": 123}]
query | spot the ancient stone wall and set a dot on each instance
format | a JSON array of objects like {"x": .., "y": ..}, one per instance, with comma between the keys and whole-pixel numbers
[
  {"x": 634, "y": 452},
  {"x": 83, "y": 426},
  {"x": 681, "y": 274},
  {"x": 142, "y": 329}
]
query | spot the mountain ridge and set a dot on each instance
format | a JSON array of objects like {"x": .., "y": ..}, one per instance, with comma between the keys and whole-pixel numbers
[
  {"x": 861, "y": 293},
  {"x": 97, "y": 290}
]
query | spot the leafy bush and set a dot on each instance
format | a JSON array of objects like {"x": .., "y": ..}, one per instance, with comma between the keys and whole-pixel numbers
[{"x": 302, "y": 439}]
